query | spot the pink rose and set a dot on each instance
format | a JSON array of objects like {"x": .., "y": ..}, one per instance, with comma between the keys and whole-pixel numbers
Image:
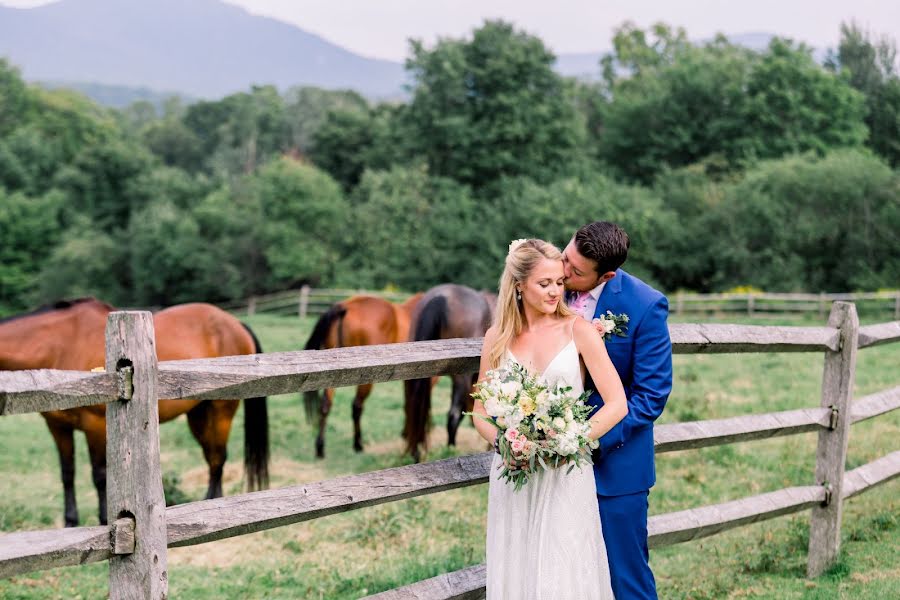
[
  {"x": 518, "y": 446},
  {"x": 512, "y": 435}
]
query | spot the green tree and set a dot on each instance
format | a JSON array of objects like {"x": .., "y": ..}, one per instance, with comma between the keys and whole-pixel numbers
[
  {"x": 29, "y": 228},
  {"x": 794, "y": 105},
  {"x": 306, "y": 109},
  {"x": 684, "y": 107},
  {"x": 302, "y": 214},
  {"x": 871, "y": 64},
  {"x": 811, "y": 224},
  {"x": 412, "y": 231},
  {"x": 671, "y": 104},
  {"x": 492, "y": 106}
]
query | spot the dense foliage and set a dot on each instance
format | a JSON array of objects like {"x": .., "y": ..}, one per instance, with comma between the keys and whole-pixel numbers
[{"x": 726, "y": 166}]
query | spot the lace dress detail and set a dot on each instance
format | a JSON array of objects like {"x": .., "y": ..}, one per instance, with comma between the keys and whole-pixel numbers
[{"x": 544, "y": 542}]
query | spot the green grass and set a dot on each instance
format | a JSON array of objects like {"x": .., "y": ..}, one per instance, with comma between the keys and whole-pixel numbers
[{"x": 381, "y": 547}]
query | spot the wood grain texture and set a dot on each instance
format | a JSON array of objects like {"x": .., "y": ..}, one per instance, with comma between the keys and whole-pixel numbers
[
  {"x": 465, "y": 584},
  {"x": 701, "y": 434},
  {"x": 880, "y": 333},
  {"x": 874, "y": 473},
  {"x": 209, "y": 520},
  {"x": 33, "y": 391},
  {"x": 831, "y": 450},
  {"x": 27, "y": 551},
  {"x": 875, "y": 404},
  {"x": 134, "y": 482}
]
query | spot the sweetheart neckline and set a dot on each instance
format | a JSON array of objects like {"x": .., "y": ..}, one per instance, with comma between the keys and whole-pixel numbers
[{"x": 549, "y": 364}]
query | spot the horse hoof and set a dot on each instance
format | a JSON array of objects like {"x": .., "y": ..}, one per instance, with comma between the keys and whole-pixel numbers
[{"x": 357, "y": 448}]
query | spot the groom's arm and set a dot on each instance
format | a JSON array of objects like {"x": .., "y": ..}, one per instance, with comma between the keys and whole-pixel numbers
[{"x": 651, "y": 377}]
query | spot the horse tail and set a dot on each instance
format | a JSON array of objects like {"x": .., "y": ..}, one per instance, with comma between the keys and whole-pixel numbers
[
  {"x": 432, "y": 320},
  {"x": 256, "y": 434},
  {"x": 312, "y": 400}
]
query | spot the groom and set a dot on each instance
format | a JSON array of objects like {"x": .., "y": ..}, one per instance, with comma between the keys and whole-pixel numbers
[{"x": 624, "y": 469}]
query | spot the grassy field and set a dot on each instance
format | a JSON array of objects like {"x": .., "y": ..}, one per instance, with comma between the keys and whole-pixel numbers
[{"x": 378, "y": 548}]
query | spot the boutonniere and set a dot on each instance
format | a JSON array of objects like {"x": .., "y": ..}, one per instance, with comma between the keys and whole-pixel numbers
[{"x": 610, "y": 325}]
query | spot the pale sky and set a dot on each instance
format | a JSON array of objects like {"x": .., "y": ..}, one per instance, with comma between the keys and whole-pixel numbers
[{"x": 380, "y": 28}]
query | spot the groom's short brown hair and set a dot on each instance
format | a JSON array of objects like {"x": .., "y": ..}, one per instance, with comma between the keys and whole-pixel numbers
[{"x": 604, "y": 243}]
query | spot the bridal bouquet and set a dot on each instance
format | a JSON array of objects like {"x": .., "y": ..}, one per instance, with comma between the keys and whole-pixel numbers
[{"x": 540, "y": 425}]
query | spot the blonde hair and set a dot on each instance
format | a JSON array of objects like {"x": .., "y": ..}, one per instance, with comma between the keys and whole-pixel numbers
[{"x": 509, "y": 316}]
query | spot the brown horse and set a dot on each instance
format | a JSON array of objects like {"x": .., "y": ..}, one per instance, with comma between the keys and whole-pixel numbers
[
  {"x": 357, "y": 321},
  {"x": 446, "y": 311},
  {"x": 70, "y": 335}
]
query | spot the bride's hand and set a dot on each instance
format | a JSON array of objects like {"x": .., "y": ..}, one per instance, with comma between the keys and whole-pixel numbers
[{"x": 516, "y": 463}]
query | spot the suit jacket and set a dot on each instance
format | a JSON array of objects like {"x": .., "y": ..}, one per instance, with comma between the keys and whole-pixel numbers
[{"x": 643, "y": 359}]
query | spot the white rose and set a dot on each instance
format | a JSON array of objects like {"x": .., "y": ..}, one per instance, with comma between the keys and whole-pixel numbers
[
  {"x": 493, "y": 407},
  {"x": 510, "y": 388},
  {"x": 608, "y": 325},
  {"x": 569, "y": 416},
  {"x": 559, "y": 423}
]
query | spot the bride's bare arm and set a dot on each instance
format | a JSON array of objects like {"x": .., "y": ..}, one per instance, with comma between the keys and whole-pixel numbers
[
  {"x": 487, "y": 431},
  {"x": 606, "y": 379}
]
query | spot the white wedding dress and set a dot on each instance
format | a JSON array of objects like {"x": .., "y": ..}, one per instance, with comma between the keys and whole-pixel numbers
[{"x": 544, "y": 542}]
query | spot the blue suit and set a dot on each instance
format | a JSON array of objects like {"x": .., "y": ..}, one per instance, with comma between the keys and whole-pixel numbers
[{"x": 624, "y": 469}]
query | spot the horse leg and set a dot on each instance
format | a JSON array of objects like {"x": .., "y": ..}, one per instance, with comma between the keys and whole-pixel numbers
[
  {"x": 461, "y": 399},
  {"x": 96, "y": 441},
  {"x": 64, "y": 437},
  {"x": 362, "y": 392},
  {"x": 210, "y": 422},
  {"x": 327, "y": 400}
]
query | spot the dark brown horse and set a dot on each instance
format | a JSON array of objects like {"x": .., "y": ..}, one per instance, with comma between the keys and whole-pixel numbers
[
  {"x": 70, "y": 335},
  {"x": 357, "y": 321},
  {"x": 446, "y": 311}
]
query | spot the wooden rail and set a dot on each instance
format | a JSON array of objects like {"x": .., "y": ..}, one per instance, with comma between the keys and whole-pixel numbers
[
  {"x": 135, "y": 543},
  {"x": 253, "y": 375},
  {"x": 307, "y": 301}
]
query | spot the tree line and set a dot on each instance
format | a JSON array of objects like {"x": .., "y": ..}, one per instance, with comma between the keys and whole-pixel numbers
[{"x": 727, "y": 167}]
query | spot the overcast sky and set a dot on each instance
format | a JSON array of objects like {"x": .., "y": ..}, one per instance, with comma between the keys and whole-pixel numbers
[{"x": 380, "y": 28}]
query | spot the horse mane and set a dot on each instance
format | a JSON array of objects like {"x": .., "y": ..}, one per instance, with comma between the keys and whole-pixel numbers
[{"x": 54, "y": 306}]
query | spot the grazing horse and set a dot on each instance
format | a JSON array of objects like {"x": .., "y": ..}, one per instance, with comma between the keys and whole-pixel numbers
[
  {"x": 357, "y": 321},
  {"x": 70, "y": 335},
  {"x": 446, "y": 311}
]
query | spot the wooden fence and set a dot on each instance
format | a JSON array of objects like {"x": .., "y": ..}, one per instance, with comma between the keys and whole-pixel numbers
[
  {"x": 142, "y": 527},
  {"x": 310, "y": 301},
  {"x": 302, "y": 302}
]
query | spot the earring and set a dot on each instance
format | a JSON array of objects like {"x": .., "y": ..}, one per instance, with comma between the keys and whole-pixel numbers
[{"x": 518, "y": 294}]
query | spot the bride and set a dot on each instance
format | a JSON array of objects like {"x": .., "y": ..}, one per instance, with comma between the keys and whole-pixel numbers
[{"x": 544, "y": 541}]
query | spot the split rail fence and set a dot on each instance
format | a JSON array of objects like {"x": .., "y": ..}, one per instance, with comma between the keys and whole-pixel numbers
[
  {"x": 308, "y": 301},
  {"x": 141, "y": 527}
]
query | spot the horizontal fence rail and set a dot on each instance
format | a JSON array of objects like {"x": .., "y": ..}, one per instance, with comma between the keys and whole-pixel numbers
[{"x": 253, "y": 375}]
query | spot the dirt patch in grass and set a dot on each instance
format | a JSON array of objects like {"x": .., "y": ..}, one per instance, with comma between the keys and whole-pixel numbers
[{"x": 467, "y": 441}]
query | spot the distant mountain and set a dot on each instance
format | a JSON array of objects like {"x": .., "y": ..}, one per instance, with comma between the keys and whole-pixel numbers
[
  {"x": 202, "y": 48},
  {"x": 117, "y": 96}
]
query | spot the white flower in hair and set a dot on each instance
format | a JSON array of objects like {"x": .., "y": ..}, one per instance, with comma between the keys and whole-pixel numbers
[{"x": 515, "y": 244}]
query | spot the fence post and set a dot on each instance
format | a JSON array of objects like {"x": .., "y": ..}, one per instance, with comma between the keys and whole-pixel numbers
[
  {"x": 679, "y": 304},
  {"x": 134, "y": 484},
  {"x": 251, "y": 306},
  {"x": 897, "y": 307},
  {"x": 749, "y": 305},
  {"x": 304, "y": 301},
  {"x": 831, "y": 454}
]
